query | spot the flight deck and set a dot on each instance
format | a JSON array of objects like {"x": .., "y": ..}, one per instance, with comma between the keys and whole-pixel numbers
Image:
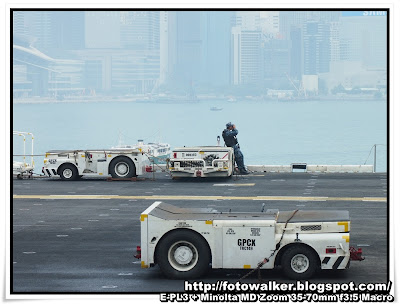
[{"x": 80, "y": 236}]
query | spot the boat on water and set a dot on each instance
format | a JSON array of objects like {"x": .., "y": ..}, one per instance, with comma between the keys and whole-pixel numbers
[
  {"x": 158, "y": 153},
  {"x": 216, "y": 108}
]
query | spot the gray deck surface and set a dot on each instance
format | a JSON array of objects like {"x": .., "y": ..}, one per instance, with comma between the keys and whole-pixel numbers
[{"x": 60, "y": 244}]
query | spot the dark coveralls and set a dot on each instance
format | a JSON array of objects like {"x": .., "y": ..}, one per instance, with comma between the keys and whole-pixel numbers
[{"x": 231, "y": 141}]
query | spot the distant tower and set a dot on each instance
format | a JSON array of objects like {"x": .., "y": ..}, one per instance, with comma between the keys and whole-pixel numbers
[
  {"x": 361, "y": 39},
  {"x": 140, "y": 30},
  {"x": 190, "y": 63},
  {"x": 316, "y": 44},
  {"x": 246, "y": 56},
  {"x": 168, "y": 45},
  {"x": 296, "y": 52},
  {"x": 203, "y": 46},
  {"x": 269, "y": 21}
]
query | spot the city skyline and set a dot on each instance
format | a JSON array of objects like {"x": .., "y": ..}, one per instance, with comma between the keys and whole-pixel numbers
[{"x": 189, "y": 52}]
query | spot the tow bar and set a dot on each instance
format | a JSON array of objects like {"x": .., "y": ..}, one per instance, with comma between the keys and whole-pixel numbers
[
  {"x": 356, "y": 255},
  {"x": 138, "y": 252}
]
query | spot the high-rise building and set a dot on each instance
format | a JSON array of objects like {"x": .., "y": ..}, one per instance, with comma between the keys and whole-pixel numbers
[
  {"x": 41, "y": 39},
  {"x": 217, "y": 52},
  {"x": 190, "y": 64},
  {"x": 122, "y": 52},
  {"x": 167, "y": 45},
  {"x": 335, "y": 41},
  {"x": 289, "y": 19},
  {"x": 203, "y": 47},
  {"x": 102, "y": 30},
  {"x": 19, "y": 24},
  {"x": 51, "y": 32},
  {"x": 247, "y": 64},
  {"x": 316, "y": 43},
  {"x": 38, "y": 25},
  {"x": 296, "y": 53},
  {"x": 363, "y": 38},
  {"x": 68, "y": 30},
  {"x": 276, "y": 59},
  {"x": 246, "y": 48},
  {"x": 269, "y": 21},
  {"x": 140, "y": 30},
  {"x": 248, "y": 20}
]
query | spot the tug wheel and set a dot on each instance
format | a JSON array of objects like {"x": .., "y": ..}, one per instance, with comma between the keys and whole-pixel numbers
[
  {"x": 122, "y": 167},
  {"x": 299, "y": 262},
  {"x": 68, "y": 172},
  {"x": 183, "y": 255}
]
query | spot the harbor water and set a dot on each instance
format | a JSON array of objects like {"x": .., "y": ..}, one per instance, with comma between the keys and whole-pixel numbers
[{"x": 270, "y": 132}]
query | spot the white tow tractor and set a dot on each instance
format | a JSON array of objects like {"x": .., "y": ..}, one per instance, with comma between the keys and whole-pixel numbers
[
  {"x": 119, "y": 163},
  {"x": 202, "y": 161},
  {"x": 184, "y": 242}
]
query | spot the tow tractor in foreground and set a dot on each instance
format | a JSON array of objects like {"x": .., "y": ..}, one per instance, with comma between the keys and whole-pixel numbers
[
  {"x": 184, "y": 242},
  {"x": 202, "y": 161}
]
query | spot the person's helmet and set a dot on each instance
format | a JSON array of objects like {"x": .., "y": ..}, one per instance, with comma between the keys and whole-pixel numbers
[{"x": 229, "y": 124}]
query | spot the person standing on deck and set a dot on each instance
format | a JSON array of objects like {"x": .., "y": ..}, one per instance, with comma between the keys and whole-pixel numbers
[{"x": 229, "y": 134}]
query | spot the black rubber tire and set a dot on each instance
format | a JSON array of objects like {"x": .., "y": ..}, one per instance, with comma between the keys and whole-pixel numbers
[
  {"x": 68, "y": 172},
  {"x": 127, "y": 162},
  {"x": 303, "y": 255},
  {"x": 199, "y": 263}
]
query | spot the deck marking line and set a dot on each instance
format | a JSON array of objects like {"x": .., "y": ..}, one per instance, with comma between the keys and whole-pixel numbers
[
  {"x": 109, "y": 287},
  {"x": 233, "y": 184},
  {"x": 187, "y": 197},
  {"x": 31, "y": 226}
]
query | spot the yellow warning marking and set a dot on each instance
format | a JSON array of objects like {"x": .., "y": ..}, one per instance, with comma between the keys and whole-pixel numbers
[
  {"x": 83, "y": 156},
  {"x": 143, "y": 217},
  {"x": 209, "y": 222},
  {"x": 346, "y": 237},
  {"x": 109, "y": 156},
  {"x": 201, "y": 152},
  {"x": 246, "y": 266},
  {"x": 345, "y": 224},
  {"x": 143, "y": 264},
  {"x": 176, "y": 197}
]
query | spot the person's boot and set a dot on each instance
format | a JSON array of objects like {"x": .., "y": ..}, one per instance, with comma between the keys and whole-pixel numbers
[{"x": 244, "y": 172}]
